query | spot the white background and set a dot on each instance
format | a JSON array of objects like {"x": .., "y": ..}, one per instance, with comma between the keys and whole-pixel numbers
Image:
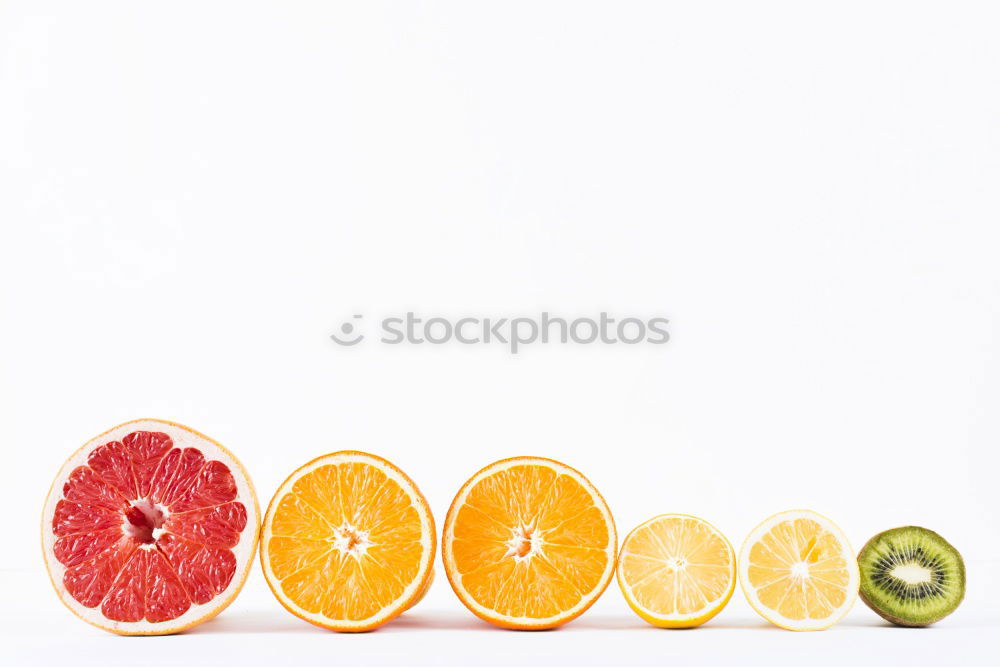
[{"x": 194, "y": 195}]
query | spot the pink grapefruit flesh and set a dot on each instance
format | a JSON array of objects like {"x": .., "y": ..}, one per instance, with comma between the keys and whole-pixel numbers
[{"x": 150, "y": 528}]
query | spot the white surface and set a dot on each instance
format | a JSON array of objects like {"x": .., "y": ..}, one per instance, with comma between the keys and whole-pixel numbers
[
  {"x": 439, "y": 631},
  {"x": 194, "y": 195}
]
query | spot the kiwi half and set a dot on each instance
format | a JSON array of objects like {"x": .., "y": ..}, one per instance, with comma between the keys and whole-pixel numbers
[{"x": 911, "y": 576}]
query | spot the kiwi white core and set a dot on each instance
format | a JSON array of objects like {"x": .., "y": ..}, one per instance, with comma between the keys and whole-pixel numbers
[{"x": 912, "y": 574}]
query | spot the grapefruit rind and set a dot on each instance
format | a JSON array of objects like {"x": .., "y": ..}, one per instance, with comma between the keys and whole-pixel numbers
[
  {"x": 182, "y": 436},
  {"x": 526, "y": 622},
  {"x": 413, "y": 592},
  {"x": 772, "y": 615}
]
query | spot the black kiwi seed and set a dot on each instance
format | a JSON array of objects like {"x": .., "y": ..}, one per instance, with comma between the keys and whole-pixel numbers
[{"x": 911, "y": 576}]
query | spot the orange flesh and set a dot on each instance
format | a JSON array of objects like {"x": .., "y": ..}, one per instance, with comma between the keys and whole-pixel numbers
[
  {"x": 345, "y": 541},
  {"x": 529, "y": 542}
]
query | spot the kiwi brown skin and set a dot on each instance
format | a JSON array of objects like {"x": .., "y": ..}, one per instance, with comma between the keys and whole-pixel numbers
[
  {"x": 895, "y": 619},
  {"x": 889, "y": 617}
]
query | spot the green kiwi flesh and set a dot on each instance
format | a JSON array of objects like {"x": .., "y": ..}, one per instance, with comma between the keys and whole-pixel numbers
[{"x": 911, "y": 576}]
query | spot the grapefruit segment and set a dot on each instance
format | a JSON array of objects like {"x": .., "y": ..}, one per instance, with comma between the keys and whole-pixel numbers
[
  {"x": 166, "y": 597},
  {"x": 145, "y": 449},
  {"x": 88, "y": 582},
  {"x": 205, "y": 572},
  {"x": 149, "y": 528},
  {"x": 213, "y": 485},
  {"x": 80, "y": 548},
  {"x": 126, "y": 601},
  {"x": 219, "y": 526},
  {"x": 189, "y": 464},
  {"x": 112, "y": 465},
  {"x": 86, "y": 487}
]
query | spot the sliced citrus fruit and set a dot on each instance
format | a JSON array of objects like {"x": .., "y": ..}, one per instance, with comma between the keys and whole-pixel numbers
[
  {"x": 798, "y": 571},
  {"x": 348, "y": 542},
  {"x": 422, "y": 593},
  {"x": 676, "y": 571},
  {"x": 149, "y": 529},
  {"x": 528, "y": 544}
]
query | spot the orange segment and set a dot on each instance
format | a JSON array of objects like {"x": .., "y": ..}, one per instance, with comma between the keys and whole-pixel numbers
[
  {"x": 528, "y": 543},
  {"x": 676, "y": 571},
  {"x": 798, "y": 571},
  {"x": 348, "y": 542}
]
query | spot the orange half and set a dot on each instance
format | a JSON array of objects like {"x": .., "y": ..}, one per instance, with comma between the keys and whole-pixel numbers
[
  {"x": 348, "y": 542},
  {"x": 529, "y": 544}
]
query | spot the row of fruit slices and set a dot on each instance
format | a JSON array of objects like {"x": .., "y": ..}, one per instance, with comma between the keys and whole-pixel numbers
[{"x": 151, "y": 528}]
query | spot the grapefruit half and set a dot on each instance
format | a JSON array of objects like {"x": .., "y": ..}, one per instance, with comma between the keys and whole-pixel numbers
[{"x": 149, "y": 529}]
